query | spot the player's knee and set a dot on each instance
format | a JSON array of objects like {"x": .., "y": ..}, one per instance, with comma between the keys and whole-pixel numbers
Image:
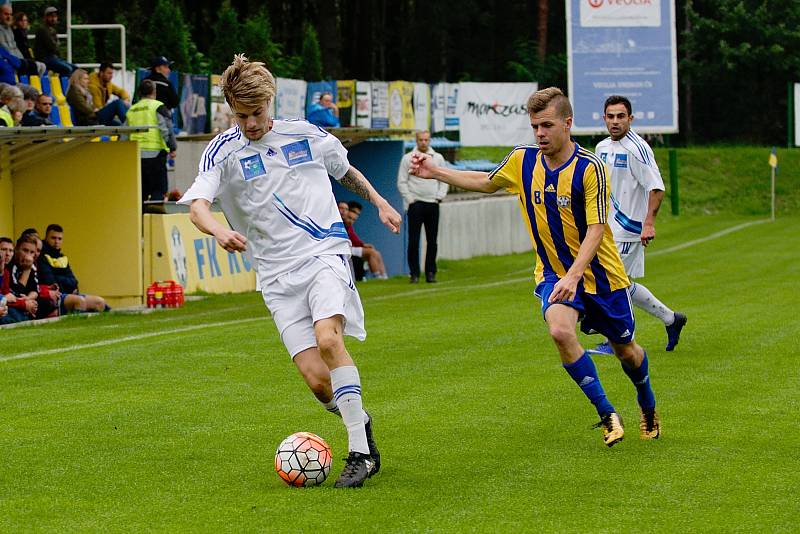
[
  {"x": 562, "y": 334},
  {"x": 329, "y": 341},
  {"x": 317, "y": 383}
]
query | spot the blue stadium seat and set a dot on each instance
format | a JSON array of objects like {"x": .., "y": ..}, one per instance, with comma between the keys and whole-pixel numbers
[
  {"x": 45, "y": 80},
  {"x": 55, "y": 116},
  {"x": 64, "y": 84},
  {"x": 23, "y": 78}
]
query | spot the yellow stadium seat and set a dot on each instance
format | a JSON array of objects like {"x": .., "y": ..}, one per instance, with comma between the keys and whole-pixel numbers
[
  {"x": 36, "y": 82},
  {"x": 66, "y": 117},
  {"x": 55, "y": 87}
]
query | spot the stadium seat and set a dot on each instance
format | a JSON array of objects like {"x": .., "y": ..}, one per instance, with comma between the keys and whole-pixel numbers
[
  {"x": 36, "y": 82},
  {"x": 64, "y": 84},
  {"x": 23, "y": 78},
  {"x": 66, "y": 115},
  {"x": 45, "y": 82},
  {"x": 58, "y": 94},
  {"x": 55, "y": 116}
]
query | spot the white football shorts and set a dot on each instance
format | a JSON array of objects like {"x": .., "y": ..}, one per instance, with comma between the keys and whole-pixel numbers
[
  {"x": 320, "y": 288},
  {"x": 632, "y": 253}
]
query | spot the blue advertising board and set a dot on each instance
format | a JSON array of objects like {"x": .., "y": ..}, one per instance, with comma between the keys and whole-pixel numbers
[{"x": 623, "y": 47}]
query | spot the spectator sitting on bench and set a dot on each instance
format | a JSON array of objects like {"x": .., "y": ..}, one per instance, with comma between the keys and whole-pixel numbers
[
  {"x": 101, "y": 89},
  {"x": 20, "y": 284},
  {"x": 368, "y": 252},
  {"x": 54, "y": 268},
  {"x": 324, "y": 113},
  {"x": 86, "y": 114}
]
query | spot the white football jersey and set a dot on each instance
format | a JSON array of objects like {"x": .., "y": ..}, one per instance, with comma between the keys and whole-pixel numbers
[
  {"x": 634, "y": 173},
  {"x": 276, "y": 192}
]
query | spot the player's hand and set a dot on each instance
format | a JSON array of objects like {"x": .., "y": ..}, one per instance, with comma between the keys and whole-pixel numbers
[
  {"x": 3, "y": 311},
  {"x": 648, "y": 233},
  {"x": 31, "y": 306},
  {"x": 11, "y": 298},
  {"x": 564, "y": 290},
  {"x": 390, "y": 218},
  {"x": 231, "y": 240},
  {"x": 421, "y": 166}
]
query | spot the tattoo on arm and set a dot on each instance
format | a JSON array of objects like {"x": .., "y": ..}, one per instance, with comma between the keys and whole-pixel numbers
[{"x": 356, "y": 183}]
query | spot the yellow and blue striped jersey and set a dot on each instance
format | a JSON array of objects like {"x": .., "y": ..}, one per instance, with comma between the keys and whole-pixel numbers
[{"x": 558, "y": 206}]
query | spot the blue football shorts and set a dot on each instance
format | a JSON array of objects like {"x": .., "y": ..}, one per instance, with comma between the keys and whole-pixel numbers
[{"x": 610, "y": 314}]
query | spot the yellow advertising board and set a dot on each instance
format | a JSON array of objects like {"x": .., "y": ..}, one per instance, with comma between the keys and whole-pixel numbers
[
  {"x": 176, "y": 250},
  {"x": 401, "y": 105}
]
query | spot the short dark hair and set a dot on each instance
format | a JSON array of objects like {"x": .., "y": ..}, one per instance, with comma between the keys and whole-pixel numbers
[
  {"x": 618, "y": 99},
  {"x": 53, "y": 228},
  {"x": 355, "y": 205},
  {"x": 104, "y": 65},
  {"x": 147, "y": 88},
  {"x": 5, "y": 239},
  {"x": 29, "y": 231}
]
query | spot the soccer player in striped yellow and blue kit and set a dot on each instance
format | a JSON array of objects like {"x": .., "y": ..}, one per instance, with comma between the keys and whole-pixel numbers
[{"x": 564, "y": 198}]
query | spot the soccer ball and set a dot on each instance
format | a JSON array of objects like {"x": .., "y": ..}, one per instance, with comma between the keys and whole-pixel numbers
[{"x": 303, "y": 459}]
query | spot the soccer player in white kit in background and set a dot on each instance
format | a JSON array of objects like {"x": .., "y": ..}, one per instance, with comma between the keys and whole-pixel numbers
[
  {"x": 270, "y": 178},
  {"x": 636, "y": 193}
]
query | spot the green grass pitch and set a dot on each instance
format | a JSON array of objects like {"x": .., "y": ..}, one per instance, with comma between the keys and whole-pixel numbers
[{"x": 170, "y": 422}]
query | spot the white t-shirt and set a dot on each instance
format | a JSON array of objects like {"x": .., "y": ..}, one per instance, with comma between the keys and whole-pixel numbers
[
  {"x": 276, "y": 192},
  {"x": 634, "y": 173}
]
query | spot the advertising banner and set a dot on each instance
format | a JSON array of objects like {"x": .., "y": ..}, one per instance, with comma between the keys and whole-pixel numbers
[
  {"x": 380, "y": 105},
  {"x": 494, "y": 114},
  {"x": 363, "y": 104},
  {"x": 451, "y": 106},
  {"x": 623, "y": 47},
  {"x": 437, "y": 107},
  {"x": 401, "y": 105},
  {"x": 194, "y": 99},
  {"x": 422, "y": 106},
  {"x": 290, "y": 102},
  {"x": 345, "y": 95},
  {"x": 178, "y": 251},
  {"x": 314, "y": 89}
]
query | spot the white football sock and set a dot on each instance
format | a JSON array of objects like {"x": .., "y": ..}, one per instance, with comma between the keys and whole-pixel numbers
[
  {"x": 347, "y": 395},
  {"x": 331, "y": 407},
  {"x": 644, "y": 299}
]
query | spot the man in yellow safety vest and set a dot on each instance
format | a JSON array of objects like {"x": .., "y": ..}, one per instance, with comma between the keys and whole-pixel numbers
[{"x": 155, "y": 143}]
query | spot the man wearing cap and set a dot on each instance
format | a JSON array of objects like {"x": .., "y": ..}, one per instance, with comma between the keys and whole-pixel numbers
[
  {"x": 159, "y": 73},
  {"x": 46, "y": 47}
]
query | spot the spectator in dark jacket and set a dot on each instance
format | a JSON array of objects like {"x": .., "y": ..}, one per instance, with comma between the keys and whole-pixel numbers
[
  {"x": 40, "y": 114},
  {"x": 20, "y": 28},
  {"x": 159, "y": 73},
  {"x": 46, "y": 47},
  {"x": 54, "y": 268}
]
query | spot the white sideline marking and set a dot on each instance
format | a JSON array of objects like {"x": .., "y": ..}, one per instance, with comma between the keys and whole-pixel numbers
[
  {"x": 106, "y": 342},
  {"x": 709, "y": 237},
  {"x": 412, "y": 293}
]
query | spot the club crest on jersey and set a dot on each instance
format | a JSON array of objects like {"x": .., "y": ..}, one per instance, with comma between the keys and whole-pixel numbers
[
  {"x": 562, "y": 201},
  {"x": 252, "y": 167},
  {"x": 296, "y": 153},
  {"x": 621, "y": 161}
]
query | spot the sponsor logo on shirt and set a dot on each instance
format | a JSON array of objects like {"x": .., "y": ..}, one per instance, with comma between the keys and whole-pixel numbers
[
  {"x": 604, "y": 157},
  {"x": 297, "y": 153},
  {"x": 550, "y": 189},
  {"x": 271, "y": 152},
  {"x": 252, "y": 167},
  {"x": 621, "y": 161}
]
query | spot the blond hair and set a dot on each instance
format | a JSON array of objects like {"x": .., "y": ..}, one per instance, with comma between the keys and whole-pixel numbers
[
  {"x": 247, "y": 84},
  {"x": 541, "y": 100}
]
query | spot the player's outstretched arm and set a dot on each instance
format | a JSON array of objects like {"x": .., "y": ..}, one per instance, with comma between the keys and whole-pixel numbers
[
  {"x": 424, "y": 167},
  {"x": 201, "y": 217},
  {"x": 356, "y": 182}
]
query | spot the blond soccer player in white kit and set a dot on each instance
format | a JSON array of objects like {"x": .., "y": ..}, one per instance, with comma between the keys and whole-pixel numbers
[
  {"x": 636, "y": 193},
  {"x": 270, "y": 178}
]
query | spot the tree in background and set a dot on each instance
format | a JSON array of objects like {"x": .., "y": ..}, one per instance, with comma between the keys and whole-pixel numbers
[
  {"x": 166, "y": 34},
  {"x": 311, "y": 57},
  {"x": 227, "y": 38},
  {"x": 258, "y": 44}
]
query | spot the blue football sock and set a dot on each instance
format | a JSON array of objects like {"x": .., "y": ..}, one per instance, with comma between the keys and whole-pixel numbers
[
  {"x": 584, "y": 373},
  {"x": 641, "y": 379}
]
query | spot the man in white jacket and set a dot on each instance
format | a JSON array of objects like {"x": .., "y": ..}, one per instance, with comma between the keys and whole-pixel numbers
[{"x": 421, "y": 198}]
